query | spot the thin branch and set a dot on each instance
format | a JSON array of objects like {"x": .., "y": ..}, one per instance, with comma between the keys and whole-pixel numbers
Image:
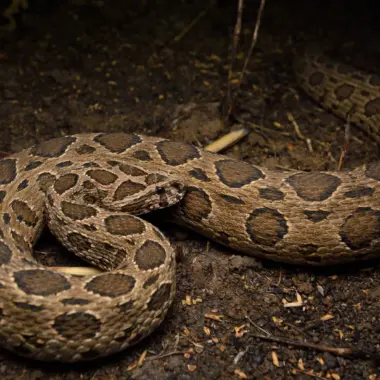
[{"x": 344, "y": 351}]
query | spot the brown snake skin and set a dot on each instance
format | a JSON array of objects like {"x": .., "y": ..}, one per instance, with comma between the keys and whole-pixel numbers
[{"x": 90, "y": 188}]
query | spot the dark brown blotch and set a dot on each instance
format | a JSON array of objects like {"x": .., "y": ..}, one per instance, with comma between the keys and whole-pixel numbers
[
  {"x": 8, "y": 171},
  {"x": 151, "y": 281},
  {"x": 101, "y": 176},
  {"x": 77, "y": 326},
  {"x": 117, "y": 142},
  {"x": 24, "y": 214},
  {"x": 23, "y": 185},
  {"x": 176, "y": 153},
  {"x": 52, "y": 148},
  {"x": 85, "y": 149},
  {"x": 65, "y": 182},
  {"x": 236, "y": 174},
  {"x": 199, "y": 174},
  {"x": 33, "y": 165},
  {"x": 316, "y": 215},
  {"x": 77, "y": 211},
  {"x": 142, "y": 155},
  {"x": 28, "y": 306},
  {"x": 196, "y": 204},
  {"x": 111, "y": 284},
  {"x": 131, "y": 170},
  {"x": 150, "y": 255},
  {"x": 6, "y": 218},
  {"x": 79, "y": 241},
  {"x": 372, "y": 108},
  {"x": 45, "y": 180},
  {"x": 361, "y": 228},
  {"x": 230, "y": 199},
  {"x": 316, "y": 78},
  {"x": 2, "y": 196},
  {"x": 154, "y": 178},
  {"x": 344, "y": 91},
  {"x": 75, "y": 301},
  {"x": 359, "y": 192},
  {"x": 160, "y": 297},
  {"x": 271, "y": 194},
  {"x": 314, "y": 186},
  {"x": 128, "y": 188},
  {"x": 124, "y": 225},
  {"x": 41, "y": 282},
  {"x": 266, "y": 226},
  {"x": 64, "y": 164}
]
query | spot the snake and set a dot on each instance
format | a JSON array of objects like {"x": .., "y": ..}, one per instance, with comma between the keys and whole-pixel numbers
[{"x": 92, "y": 191}]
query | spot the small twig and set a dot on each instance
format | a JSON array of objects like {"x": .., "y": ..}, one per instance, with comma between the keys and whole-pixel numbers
[
  {"x": 161, "y": 356},
  {"x": 345, "y": 351},
  {"x": 193, "y": 23},
  {"x": 299, "y": 133},
  {"x": 254, "y": 40},
  {"x": 347, "y": 136},
  {"x": 227, "y": 140},
  {"x": 228, "y": 100},
  {"x": 78, "y": 271},
  {"x": 257, "y": 326}
]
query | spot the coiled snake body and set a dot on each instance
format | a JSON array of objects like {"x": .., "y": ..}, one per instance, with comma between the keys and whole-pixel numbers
[{"x": 90, "y": 189}]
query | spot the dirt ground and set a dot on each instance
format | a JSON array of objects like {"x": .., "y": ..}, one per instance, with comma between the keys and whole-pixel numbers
[{"x": 137, "y": 67}]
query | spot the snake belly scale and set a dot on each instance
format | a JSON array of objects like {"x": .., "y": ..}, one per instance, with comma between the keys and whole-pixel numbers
[{"x": 91, "y": 188}]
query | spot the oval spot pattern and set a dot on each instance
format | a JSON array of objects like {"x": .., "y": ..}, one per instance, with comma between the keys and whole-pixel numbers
[
  {"x": 5, "y": 253},
  {"x": 111, "y": 284},
  {"x": 199, "y": 174},
  {"x": 160, "y": 297},
  {"x": 85, "y": 149},
  {"x": 65, "y": 183},
  {"x": 124, "y": 225},
  {"x": 344, "y": 91},
  {"x": 2, "y": 195},
  {"x": 372, "y": 108},
  {"x": 142, "y": 155},
  {"x": 231, "y": 199},
  {"x": 79, "y": 241},
  {"x": 150, "y": 255},
  {"x": 236, "y": 174},
  {"x": 8, "y": 171},
  {"x": 24, "y": 213},
  {"x": 266, "y": 226},
  {"x": 131, "y": 170},
  {"x": 103, "y": 177},
  {"x": 45, "y": 180},
  {"x": 127, "y": 188},
  {"x": 177, "y": 153},
  {"x": 196, "y": 204},
  {"x": 41, "y": 282},
  {"x": 52, "y": 148},
  {"x": 23, "y": 185},
  {"x": 316, "y": 216},
  {"x": 271, "y": 194},
  {"x": 359, "y": 192},
  {"x": 77, "y": 326},
  {"x": 314, "y": 186},
  {"x": 77, "y": 211},
  {"x": 361, "y": 228},
  {"x": 150, "y": 281},
  {"x": 316, "y": 78},
  {"x": 117, "y": 142}
]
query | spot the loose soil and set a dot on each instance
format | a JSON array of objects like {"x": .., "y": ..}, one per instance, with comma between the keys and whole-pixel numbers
[{"x": 81, "y": 67}]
